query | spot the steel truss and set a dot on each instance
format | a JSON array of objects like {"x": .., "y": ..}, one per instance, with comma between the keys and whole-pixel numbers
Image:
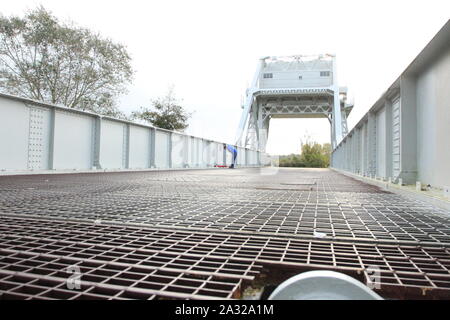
[{"x": 262, "y": 104}]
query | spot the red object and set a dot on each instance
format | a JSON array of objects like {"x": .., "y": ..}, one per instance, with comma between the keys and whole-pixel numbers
[{"x": 220, "y": 166}]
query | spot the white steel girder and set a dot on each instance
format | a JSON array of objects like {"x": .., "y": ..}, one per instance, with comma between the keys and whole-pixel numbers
[{"x": 314, "y": 98}]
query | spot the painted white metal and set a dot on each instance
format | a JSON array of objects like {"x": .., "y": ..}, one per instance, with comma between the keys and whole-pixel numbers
[
  {"x": 38, "y": 136},
  {"x": 204, "y": 153},
  {"x": 220, "y": 154},
  {"x": 323, "y": 285},
  {"x": 364, "y": 148},
  {"x": 381, "y": 143},
  {"x": 241, "y": 157},
  {"x": 253, "y": 158},
  {"x": 73, "y": 146},
  {"x": 216, "y": 154},
  {"x": 248, "y": 102},
  {"x": 139, "y": 147},
  {"x": 162, "y": 150},
  {"x": 212, "y": 158},
  {"x": 336, "y": 111},
  {"x": 395, "y": 139},
  {"x": 113, "y": 147},
  {"x": 372, "y": 143},
  {"x": 195, "y": 153},
  {"x": 408, "y": 124},
  {"x": 14, "y": 133},
  {"x": 292, "y": 87},
  {"x": 229, "y": 157},
  {"x": 178, "y": 147},
  {"x": 186, "y": 151},
  {"x": 358, "y": 151}
]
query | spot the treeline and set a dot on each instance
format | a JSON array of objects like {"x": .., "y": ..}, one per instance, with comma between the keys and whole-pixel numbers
[{"x": 313, "y": 155}]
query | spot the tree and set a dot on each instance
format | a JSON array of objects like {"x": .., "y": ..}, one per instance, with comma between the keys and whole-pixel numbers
[
  {"x": 313, "y": 155},
  {"x": 165, "y": 112},
  {"x": 291, "y": 160},
  {"x": 60, "y": 63}
]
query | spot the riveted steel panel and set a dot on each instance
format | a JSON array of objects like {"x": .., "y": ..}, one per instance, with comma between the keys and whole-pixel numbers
[
  {"x": 39, "y": 138},
  {"x": 396, "y": 138}
]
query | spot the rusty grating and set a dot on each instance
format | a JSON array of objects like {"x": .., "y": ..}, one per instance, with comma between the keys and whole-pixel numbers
[
  {"x": 186, "y": 235},
  {"x": 382, "y": 217},
  {"x": 236, "y": 258}
]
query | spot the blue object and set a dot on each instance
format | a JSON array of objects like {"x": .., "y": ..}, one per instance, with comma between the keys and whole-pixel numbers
[{"x": 233, "y": 150}]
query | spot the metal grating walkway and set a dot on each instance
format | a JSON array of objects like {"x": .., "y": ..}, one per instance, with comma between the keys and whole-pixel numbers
[{"x": 211, "y": 233}]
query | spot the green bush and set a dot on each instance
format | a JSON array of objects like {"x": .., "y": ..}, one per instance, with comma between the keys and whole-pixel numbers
[{"x": 313, "y": 155}]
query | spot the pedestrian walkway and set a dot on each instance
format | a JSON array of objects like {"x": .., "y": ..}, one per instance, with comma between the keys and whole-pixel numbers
[{"x": 209, "y": 234}]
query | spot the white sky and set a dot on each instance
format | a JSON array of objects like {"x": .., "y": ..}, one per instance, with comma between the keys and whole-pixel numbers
[{"x": 209, "y": 49}]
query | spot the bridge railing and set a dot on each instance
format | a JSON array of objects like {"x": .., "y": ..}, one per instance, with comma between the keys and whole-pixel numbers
[
  {"x": 404, "y": 136},
  {"x": 35, "y": 136}
]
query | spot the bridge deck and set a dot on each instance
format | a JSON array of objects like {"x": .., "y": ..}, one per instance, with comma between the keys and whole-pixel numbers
[{"x": 202, "y": 234}]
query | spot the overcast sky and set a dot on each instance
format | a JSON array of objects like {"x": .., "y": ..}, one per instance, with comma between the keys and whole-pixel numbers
[{"x": 208, "y": 50}]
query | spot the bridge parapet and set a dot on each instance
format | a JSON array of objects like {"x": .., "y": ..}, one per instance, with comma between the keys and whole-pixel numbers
[
  {"x": 36, "y": 136},
  {"x": 404, "y": 136}
]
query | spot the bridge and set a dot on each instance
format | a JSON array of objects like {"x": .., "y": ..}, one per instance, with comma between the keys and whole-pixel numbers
[
  {"x": 94, "y": 207},
  {"x": 293, "y": 87}
]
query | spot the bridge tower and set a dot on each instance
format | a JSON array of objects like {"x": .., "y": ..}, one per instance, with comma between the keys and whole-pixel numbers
[{"x": 297, "y": 86}]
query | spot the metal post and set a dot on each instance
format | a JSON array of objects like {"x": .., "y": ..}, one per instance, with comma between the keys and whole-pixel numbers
[
  {"x": 152, "y": 148},
  {"x": 337, "y": 116},
  {"x": 51, "y": 145},
  {"x": 186, "y": 151},
  {"x": 169, "y": 147},
  {"x": 372, "y": 144},
  {"x": 126, "y": 158},
  {"x": 388, "y": 137},
  {"x": 364, "y": 152},
  {"x": 96, "y": 148},
  {"x": 224, "y": 155}
]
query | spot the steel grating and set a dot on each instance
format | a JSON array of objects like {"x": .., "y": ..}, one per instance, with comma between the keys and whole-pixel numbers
[
  {"x": 382, "y": 217},
  {"x": 186, "y": 235},
  {"x": 236, "y": 257}
]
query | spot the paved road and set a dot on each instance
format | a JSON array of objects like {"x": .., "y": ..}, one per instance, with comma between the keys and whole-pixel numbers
[{"x": 202, "y": 234}]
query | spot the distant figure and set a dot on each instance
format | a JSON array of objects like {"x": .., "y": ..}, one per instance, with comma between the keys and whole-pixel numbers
[{"x": 233, "y": 151}]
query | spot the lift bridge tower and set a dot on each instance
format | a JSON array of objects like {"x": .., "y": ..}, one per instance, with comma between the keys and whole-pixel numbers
[{"x": 293, "y": 87}]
